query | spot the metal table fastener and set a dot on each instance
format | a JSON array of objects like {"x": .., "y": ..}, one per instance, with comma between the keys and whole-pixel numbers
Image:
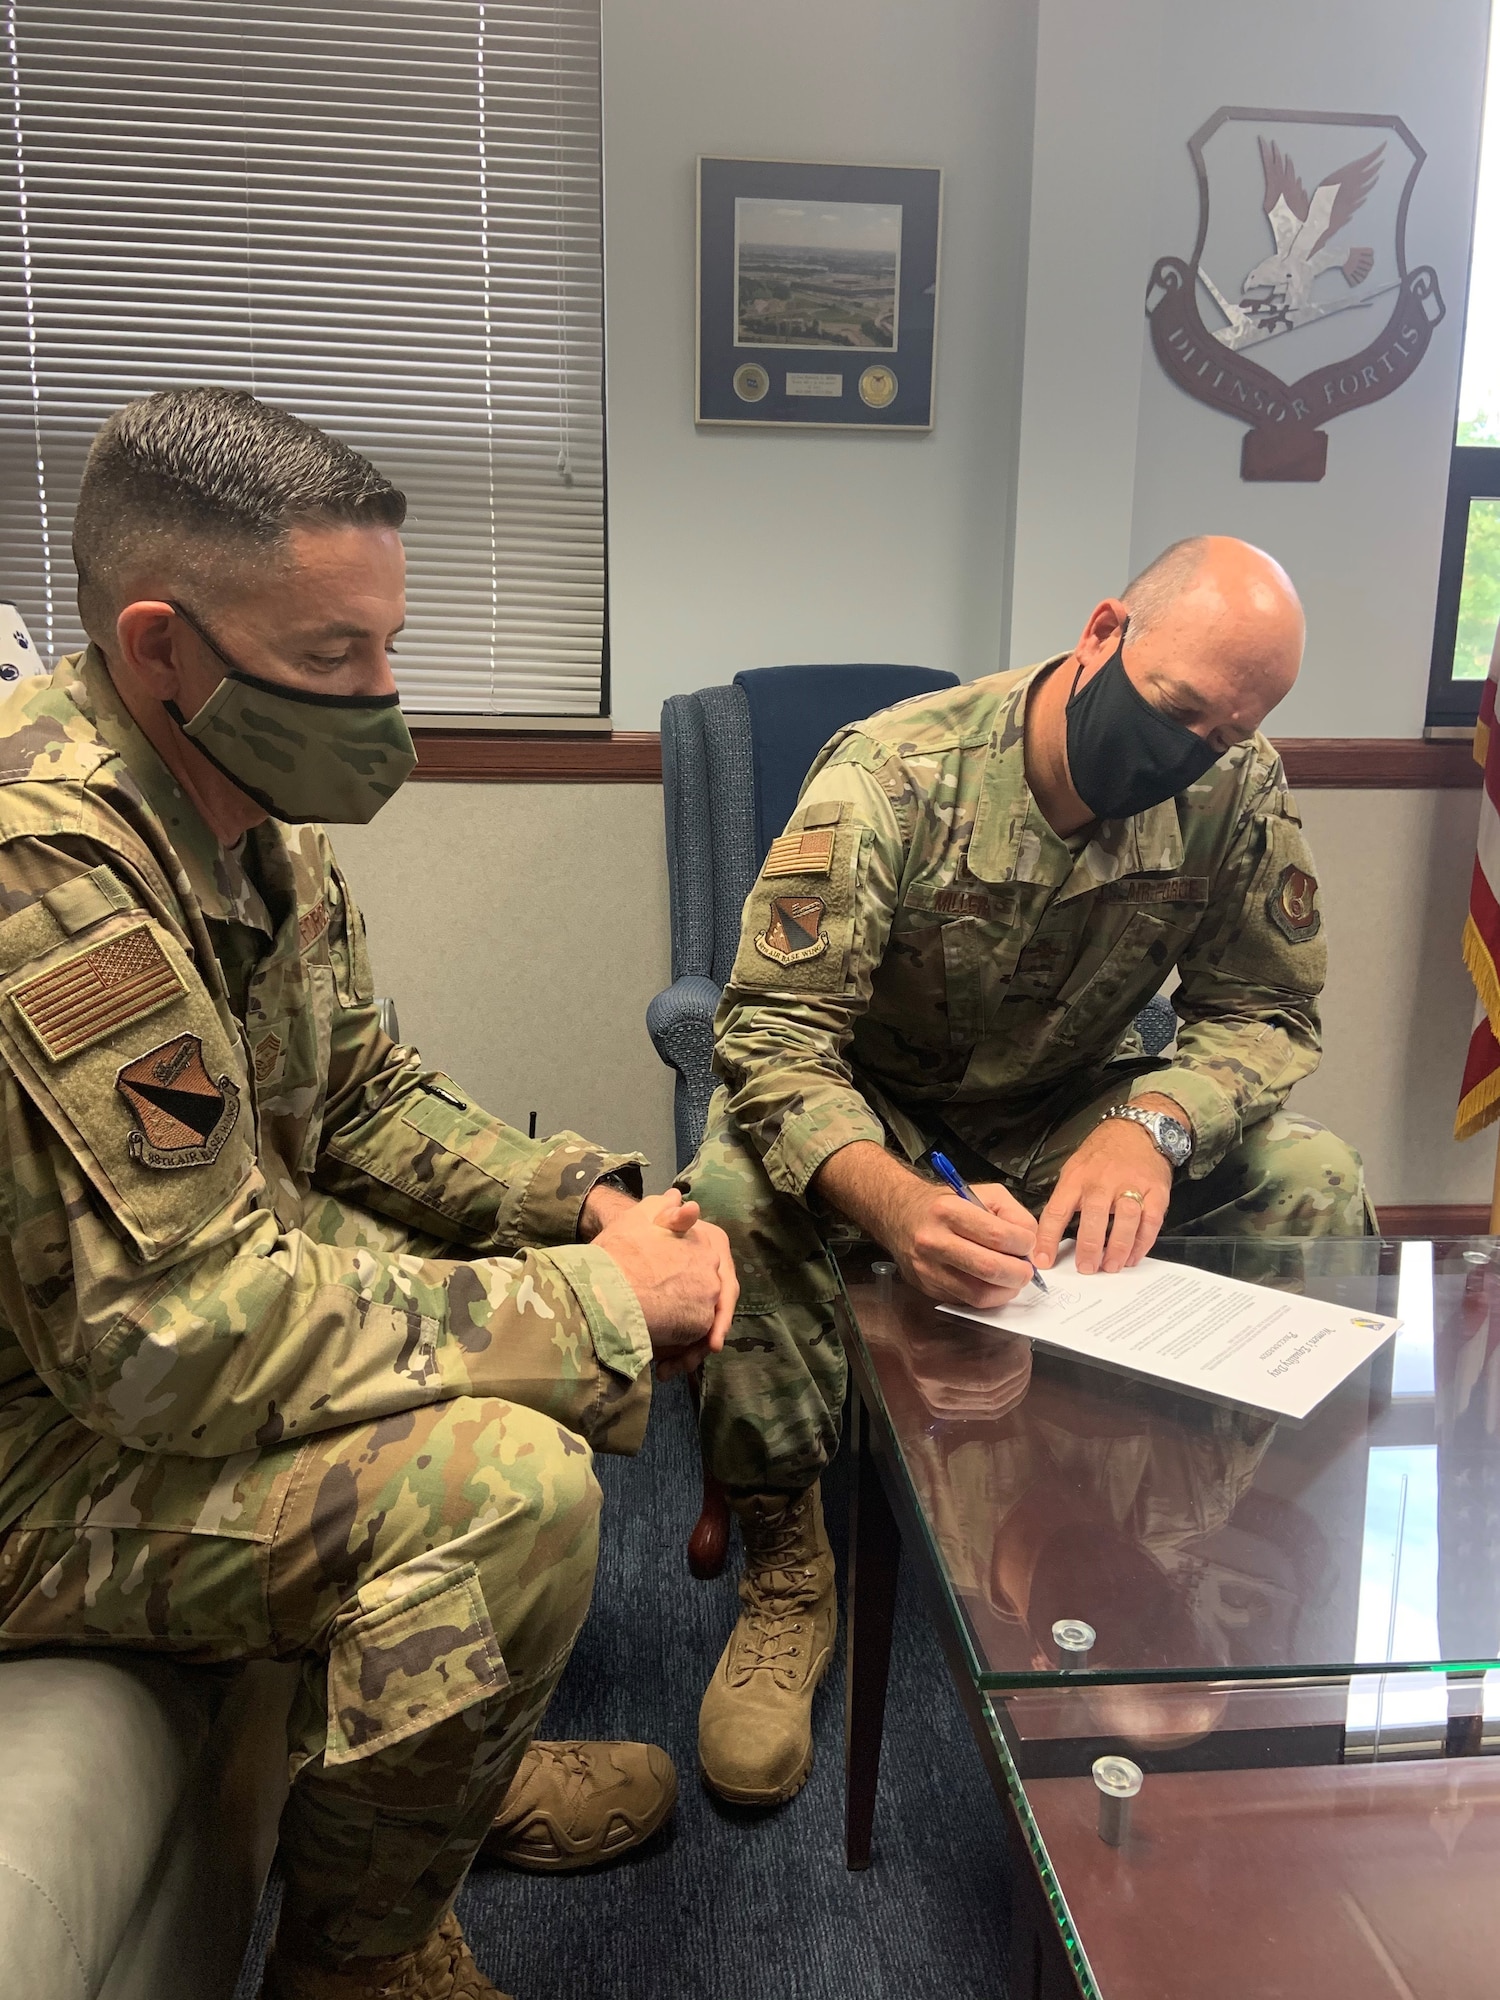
[
  {"x": 1118, "y": 1780},
  {"x": 1074, "y": 1640}
]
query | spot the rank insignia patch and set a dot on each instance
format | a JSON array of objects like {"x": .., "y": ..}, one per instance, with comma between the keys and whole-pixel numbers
[
  {"x": 1292, "y": 906},
  {"x": 266, "y": 1056},
  {"x": 104, "y": 988},
  {"x": 806, "y": 853},
  {"x": 182, "y": 1115},
  {"x": 793, "y": 935}
]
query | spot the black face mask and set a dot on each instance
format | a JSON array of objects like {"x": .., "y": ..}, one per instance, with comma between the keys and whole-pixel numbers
[{"x": 1123, "y": 757}]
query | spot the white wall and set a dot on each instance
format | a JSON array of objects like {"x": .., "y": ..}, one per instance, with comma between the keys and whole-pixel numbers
[
  {"x": 731, "y": 549},
  {"x": 1119, "y": 92}
]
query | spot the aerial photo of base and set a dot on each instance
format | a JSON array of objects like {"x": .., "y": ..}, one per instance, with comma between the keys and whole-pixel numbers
[{"x": 816, "y": 274}]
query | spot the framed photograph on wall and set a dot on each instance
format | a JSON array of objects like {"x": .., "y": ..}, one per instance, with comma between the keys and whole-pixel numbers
[{"x": 817, "y": 294}]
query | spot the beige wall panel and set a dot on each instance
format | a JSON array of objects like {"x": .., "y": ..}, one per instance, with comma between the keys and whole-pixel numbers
[
  {"x": 521, "y": 930},
  {"x": 1395, "y": 873}
]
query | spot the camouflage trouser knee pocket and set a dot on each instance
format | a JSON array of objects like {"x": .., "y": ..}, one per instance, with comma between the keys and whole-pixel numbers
[
  {"x": 1288, "y": 1176},
  {"x": 772, "y": 1400},
  {"x": 430, "y": 1571}
]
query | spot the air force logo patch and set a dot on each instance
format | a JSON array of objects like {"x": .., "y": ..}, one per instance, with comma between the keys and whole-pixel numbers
[
  {"x": 181, "y": 1114},
  {"x": 1293, "y": 906},
  {"x": 794, "y": 933}
]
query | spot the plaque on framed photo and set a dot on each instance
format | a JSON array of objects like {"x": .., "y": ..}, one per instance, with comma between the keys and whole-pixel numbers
[{"x": 817, "y": 294}]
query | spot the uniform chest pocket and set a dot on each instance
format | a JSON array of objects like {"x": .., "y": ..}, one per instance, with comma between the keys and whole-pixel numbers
[
  {"x": 979, "y": 961},
  {"x": 1107, "y": 989}
]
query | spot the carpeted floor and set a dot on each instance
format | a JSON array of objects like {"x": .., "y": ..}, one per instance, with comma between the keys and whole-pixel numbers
[{"x": 730, "y": 1905}]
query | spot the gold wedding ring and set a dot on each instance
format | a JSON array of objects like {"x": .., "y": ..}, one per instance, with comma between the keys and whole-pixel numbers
[{"x": 1131, "y": 1194}]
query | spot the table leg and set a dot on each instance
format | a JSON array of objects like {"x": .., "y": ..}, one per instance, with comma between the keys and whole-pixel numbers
[{"x": 874, "y": 1564}]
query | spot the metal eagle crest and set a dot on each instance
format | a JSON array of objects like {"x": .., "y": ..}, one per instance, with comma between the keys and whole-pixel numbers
[{"x": 1281, "y": 279}]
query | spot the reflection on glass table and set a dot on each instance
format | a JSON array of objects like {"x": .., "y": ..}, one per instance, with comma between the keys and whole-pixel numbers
[
  {"x": 1266, "y": 1860},
  {"x": 1084, "y": 1525}
]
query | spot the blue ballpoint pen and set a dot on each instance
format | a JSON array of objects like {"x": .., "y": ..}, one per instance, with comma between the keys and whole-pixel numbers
[{"x": 944, "y": 1167}]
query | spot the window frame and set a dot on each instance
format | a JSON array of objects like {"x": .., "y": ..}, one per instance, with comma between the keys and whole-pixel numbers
[{"x": 1473, "y": 474}]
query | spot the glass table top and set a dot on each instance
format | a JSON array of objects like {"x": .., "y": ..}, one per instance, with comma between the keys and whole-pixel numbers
[
  {"x": 1090, "y": 1528},
  {"x": 1265, "y": 1854}
]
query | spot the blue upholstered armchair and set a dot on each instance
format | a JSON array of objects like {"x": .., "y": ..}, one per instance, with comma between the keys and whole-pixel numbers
[{"x": 733, "y": 761}]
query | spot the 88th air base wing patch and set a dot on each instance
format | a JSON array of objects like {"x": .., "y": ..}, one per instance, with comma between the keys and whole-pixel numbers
[
  {"x": 182, "y": 1115},
  {"x": 793, "y": 935}
]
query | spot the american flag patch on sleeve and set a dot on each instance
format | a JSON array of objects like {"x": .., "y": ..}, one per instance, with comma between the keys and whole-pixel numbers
[
  {"x": 800, "y": 854},
  {"x": 102, "y": 989}
]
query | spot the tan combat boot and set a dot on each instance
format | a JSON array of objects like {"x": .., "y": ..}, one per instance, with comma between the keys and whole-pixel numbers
[
  {"x": 441, "y": 1969},
  {"x": 755, "y": 1726},
  {"x": 575, "y": 1805}
]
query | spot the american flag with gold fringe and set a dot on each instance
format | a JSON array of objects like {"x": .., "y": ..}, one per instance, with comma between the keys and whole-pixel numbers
[{"x": 1479, "y": 1096}]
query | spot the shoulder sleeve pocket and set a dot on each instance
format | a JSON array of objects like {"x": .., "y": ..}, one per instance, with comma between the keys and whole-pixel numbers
[
  {"x": 114, "y": 1037},
  {"x": 800, "y": 916}
]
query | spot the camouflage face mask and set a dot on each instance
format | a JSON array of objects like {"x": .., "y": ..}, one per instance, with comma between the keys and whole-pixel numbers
[{"x": 303, "y": 757}]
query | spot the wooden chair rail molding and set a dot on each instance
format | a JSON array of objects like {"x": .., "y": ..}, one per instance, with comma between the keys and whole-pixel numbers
[
  {"x": 633, "y": 757},
  {"x": 1433, "y": 1218}
]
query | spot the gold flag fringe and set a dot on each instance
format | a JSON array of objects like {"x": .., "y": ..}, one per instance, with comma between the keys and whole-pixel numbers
[
  {"x": 1480, "y": 1108},
  {"x": 1481, "y": 1105},
  {"x": 1482, "y": 971}
]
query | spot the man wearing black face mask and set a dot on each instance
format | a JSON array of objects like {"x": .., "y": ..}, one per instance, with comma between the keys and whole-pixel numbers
[{"x": 977, "y": 893}]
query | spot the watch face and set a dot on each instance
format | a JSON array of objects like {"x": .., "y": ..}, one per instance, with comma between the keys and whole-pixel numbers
[{"x": 1176, "y": 1141}]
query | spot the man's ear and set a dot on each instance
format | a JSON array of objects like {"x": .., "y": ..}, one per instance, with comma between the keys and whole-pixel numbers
[
  {"x": 147, "y": 635},
  {"x": 1101, "y": 635}
]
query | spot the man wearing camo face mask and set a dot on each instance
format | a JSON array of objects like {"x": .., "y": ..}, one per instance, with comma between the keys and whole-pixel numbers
[{"x": 261, "y": 1266}]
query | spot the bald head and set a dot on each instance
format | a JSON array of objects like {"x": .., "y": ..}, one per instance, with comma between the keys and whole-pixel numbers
[
  {"x": 1209, "y": 636},
  {"x": 1216, "y": 634}
]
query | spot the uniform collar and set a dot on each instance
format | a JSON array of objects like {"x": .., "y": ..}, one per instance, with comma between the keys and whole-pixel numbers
[
  {"x": 215, "y": 874},
  {"x": 1012, "y": 842}
]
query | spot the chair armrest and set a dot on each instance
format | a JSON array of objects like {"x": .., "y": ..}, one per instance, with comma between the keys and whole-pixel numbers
[
  {"x": 679, "y": 1018},
  {"x": 680, "y": 1022}
]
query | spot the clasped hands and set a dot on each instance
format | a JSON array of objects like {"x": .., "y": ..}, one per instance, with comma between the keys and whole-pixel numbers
[
  {"x": 679, "y": 1267},
  {"x": 1116, "y": 1183}
]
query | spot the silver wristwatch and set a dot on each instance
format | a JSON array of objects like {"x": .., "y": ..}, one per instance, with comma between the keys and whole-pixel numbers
[{"x": 1171, "y": 1138}]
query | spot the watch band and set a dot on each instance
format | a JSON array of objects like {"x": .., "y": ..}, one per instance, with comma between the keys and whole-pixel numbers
[{"x": 1153, "y": 1123}]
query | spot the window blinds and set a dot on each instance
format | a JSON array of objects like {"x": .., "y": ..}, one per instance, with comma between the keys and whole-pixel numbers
[{"x": 385, "y": 218}]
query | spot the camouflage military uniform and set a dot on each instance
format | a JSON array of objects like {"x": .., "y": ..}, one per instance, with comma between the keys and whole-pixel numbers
[
  {"x": 285, "y": 1369},
  {"x": 924, "y": 961}
]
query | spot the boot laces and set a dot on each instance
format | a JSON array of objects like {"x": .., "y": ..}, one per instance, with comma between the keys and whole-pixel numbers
[
  {"x": 775, "y": 1589},
  {"x": 569, "y": 1757}
]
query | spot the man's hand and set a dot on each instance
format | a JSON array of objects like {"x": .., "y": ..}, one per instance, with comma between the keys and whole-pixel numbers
[
  {"x": 1118, "y": 1185},
  {"x": 951, "y": 1250},
  {"x": 682, "y": 1272},
  {"x": 603, "y": 1204},
  {"x": 962, "y": 1255}
]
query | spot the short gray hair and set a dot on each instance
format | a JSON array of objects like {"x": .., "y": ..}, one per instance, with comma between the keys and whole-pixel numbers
[
  {"x": 204, "y": 478},
  {"x": 1148, "y": 596}
]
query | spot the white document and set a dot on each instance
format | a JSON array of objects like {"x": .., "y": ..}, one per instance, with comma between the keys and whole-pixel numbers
[{"x": 1270, "y": 1351}]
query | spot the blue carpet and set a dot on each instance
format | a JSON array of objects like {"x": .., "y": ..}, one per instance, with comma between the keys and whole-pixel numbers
[{"x": 727, "y": 1904}]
